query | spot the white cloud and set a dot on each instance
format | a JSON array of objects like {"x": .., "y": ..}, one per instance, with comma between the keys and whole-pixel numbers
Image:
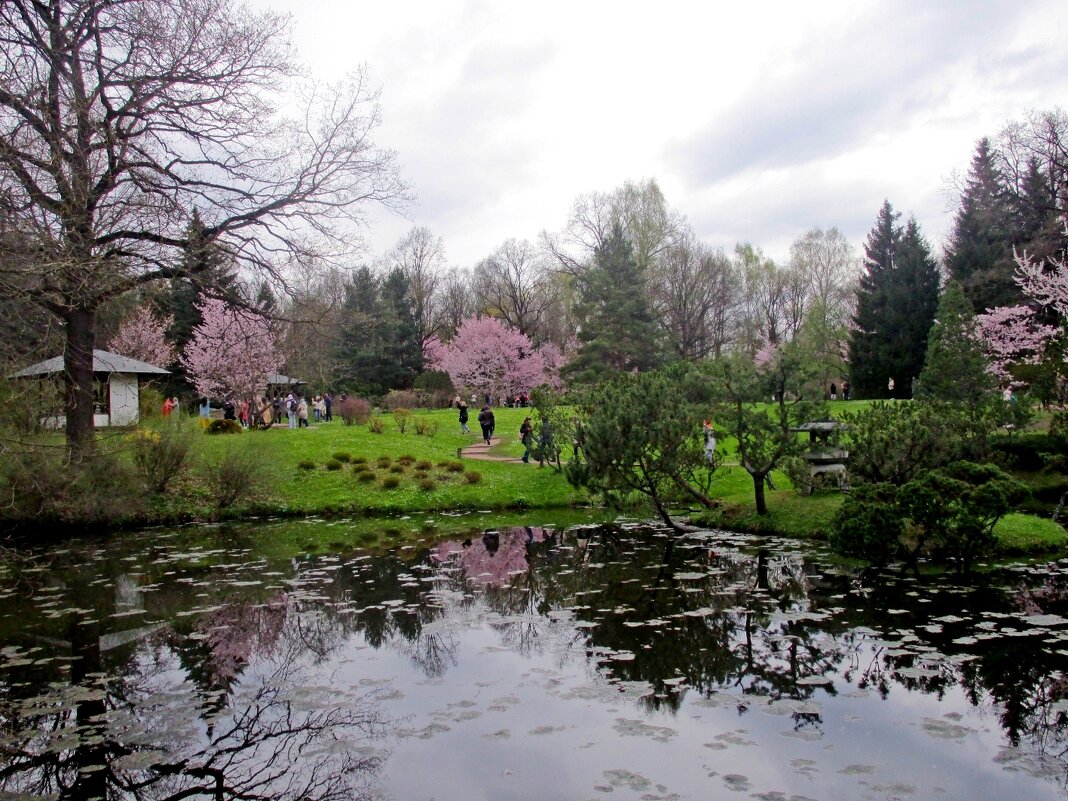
[{"x": 758, "y": 122}]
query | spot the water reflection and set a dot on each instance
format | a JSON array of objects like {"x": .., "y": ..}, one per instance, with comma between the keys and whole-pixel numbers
[{"x": 187, "y": 663}]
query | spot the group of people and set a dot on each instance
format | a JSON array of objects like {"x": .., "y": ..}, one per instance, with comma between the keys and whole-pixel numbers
[{"x": 266, "y": 410}]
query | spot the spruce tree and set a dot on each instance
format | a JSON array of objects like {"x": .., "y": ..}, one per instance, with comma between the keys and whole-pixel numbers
[
  {"x": 617, "y": 330},
  {"x": 955, "y": 367},
  {"x": 896, "y": 302},
  {"x": 979, "y": 251}
]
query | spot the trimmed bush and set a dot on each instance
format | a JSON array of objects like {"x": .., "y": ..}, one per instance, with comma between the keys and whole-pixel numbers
[
  {"x": 365, "y": 477},
  {"x": 361, "y": 468},
  {"x": 224, "y": 427},
  {"x": 406, "y": 459},
  {"x": 376, "y": 425},
  {"x": 428, "y": 485},
  {"x": 306, "y": 464},
  {"x": 390, "y": 482},
  {"x": 384, "y": 461},
  {"x": 455, "y": 467},
  {"x": 359, "y": 460},
  {"x": 397, "y": 468},
  {"x": 332, "y": 464},
  {"x": 423, "y": 464},
  {"x": 343, "y": 456},
  {"x": 472, "y": 477}
]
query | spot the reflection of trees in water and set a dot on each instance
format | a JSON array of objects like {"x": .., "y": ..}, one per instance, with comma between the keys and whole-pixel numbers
[{"x": 138, "y": 737}]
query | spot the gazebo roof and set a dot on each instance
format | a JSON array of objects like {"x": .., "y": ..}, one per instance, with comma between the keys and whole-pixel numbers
[
  {"x": 278, "y": 378},
  {"x": 103, "y": 362}
]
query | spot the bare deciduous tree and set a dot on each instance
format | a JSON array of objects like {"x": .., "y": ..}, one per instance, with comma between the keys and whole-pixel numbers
[
  {"x": 514, "y": 283},
  {"x": 421, "y": 257},
  {"x": 118, "y": 118}
]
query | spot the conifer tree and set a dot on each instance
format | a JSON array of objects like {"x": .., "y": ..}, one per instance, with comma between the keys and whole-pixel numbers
[
  {"x": 617, "y": 330},
  {"x": 979, "y": 251},
  {"x": 896, "y": 303},
  {"x": 955, "y": 368}
]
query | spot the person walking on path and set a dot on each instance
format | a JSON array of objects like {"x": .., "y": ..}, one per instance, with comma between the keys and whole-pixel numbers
[
  {"x": 463, "y": 418},
  {"x": 487, "y": 421},
  {"x": 327, "y": 403},
  {"x": 526, "y": 434},
  {"x": 302, "y": 412}
]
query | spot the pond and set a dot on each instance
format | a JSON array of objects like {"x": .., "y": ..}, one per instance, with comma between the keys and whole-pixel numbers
[{"x": 593, "y": 662}]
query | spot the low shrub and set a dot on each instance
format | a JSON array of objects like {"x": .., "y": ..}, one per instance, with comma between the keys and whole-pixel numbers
[
  {"x": 472, "y": 477},
  {"x": 332, "y": 464},
  {"x": 361, "y": 468},
  {"x": 224, "y": 427},
  {"x": 359, "y": 460},
  {"x": 405, "y": 399},
  {"x": 428, "y": 485},
  {"x": 406, "y": 459},
  {"x": 343, "y": 456},
  {"x": 384, "y": 461},
  {"x": 365, "y": 476},
  {"x": 354, "y": 411},
  {"x": 306, "y": 464},
  {"x": 390, "y": 482},
  {"x": 397, "y": 468},
  {"x": 419, "y": 475},
  {"x": 234, "y": 477},
  {"x": 455, "y": 467},
  {"x": 402, "y": 417},
  {"x": 426, "y": 427},
  {"x": 159, "y": 454},
  {"x": 423, "y": 464},
  {"x": 376, "y": 425}
]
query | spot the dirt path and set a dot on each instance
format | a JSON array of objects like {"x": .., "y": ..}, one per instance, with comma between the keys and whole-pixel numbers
[{"x": 480, "y": 451}]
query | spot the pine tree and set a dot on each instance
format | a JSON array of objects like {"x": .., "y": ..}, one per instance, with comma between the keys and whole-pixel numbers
[
  {"x": 979, "y": 251},
  {"x": 378, "y": 348},
  {"x": 955, "y": 367},
  {"x": 896, "y": 303},
  {"x": 617, "y": 329}
]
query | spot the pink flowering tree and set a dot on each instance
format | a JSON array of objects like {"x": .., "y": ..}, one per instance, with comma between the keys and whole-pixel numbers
[
  {"x": 1014, "y": 334},
  {"x": 231, "y": 352},
  {"x": 488, "y": 357},
  {"x": 433, "y": 351},
  {"x": 143, "y": 336}
]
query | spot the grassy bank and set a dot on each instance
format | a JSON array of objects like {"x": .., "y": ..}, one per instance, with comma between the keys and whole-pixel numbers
[{"x": 334, "y": 469}]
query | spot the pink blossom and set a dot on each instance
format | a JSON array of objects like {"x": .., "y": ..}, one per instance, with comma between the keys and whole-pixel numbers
[
  {"x": 765, "y": 354},
  {"x": 142, "y": 336},
  {"x": 489, "y": 358},
  {"x": 231, "y": 352},
  {"x": 1011, "y": 335}
]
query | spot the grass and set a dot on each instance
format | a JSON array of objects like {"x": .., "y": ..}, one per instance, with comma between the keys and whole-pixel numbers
[{"x": 428, "y": 477}]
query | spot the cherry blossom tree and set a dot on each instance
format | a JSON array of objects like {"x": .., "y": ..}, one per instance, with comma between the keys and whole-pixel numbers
[
  {"x": 143, "y": 336},
  {"x": 1012, "y": 335},
  {"x": 489, "y": 358},
  {"x": 231, "y": 352}
]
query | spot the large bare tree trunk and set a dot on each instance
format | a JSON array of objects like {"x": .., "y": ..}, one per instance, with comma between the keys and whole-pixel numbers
[{"x": 78, "y": 366}]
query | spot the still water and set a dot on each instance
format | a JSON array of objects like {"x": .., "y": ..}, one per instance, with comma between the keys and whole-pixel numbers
[{"x": 595, "y": 662}]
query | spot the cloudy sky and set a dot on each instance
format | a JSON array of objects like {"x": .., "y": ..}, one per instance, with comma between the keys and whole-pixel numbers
[{"x": 758, "y": 123}]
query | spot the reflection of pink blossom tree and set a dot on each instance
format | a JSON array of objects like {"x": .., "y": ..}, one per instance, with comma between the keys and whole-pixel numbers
[
  {"x": 143, "y": 336},
  {"x": 235, "y": 632},
  {"x": 231, "y": 352},
  {"x": 491, "y": 567},
  {"x": 489, "y": 358}
]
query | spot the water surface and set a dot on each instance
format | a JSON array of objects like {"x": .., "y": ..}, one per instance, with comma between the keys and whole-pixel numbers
[{"x": 596, "y": 662}]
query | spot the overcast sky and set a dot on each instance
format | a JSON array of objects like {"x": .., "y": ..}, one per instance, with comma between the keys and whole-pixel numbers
[{"x": 758, "y": 123}]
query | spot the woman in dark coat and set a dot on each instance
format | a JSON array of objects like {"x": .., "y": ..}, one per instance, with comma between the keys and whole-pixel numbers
[{"x": 463, "y": 418}]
